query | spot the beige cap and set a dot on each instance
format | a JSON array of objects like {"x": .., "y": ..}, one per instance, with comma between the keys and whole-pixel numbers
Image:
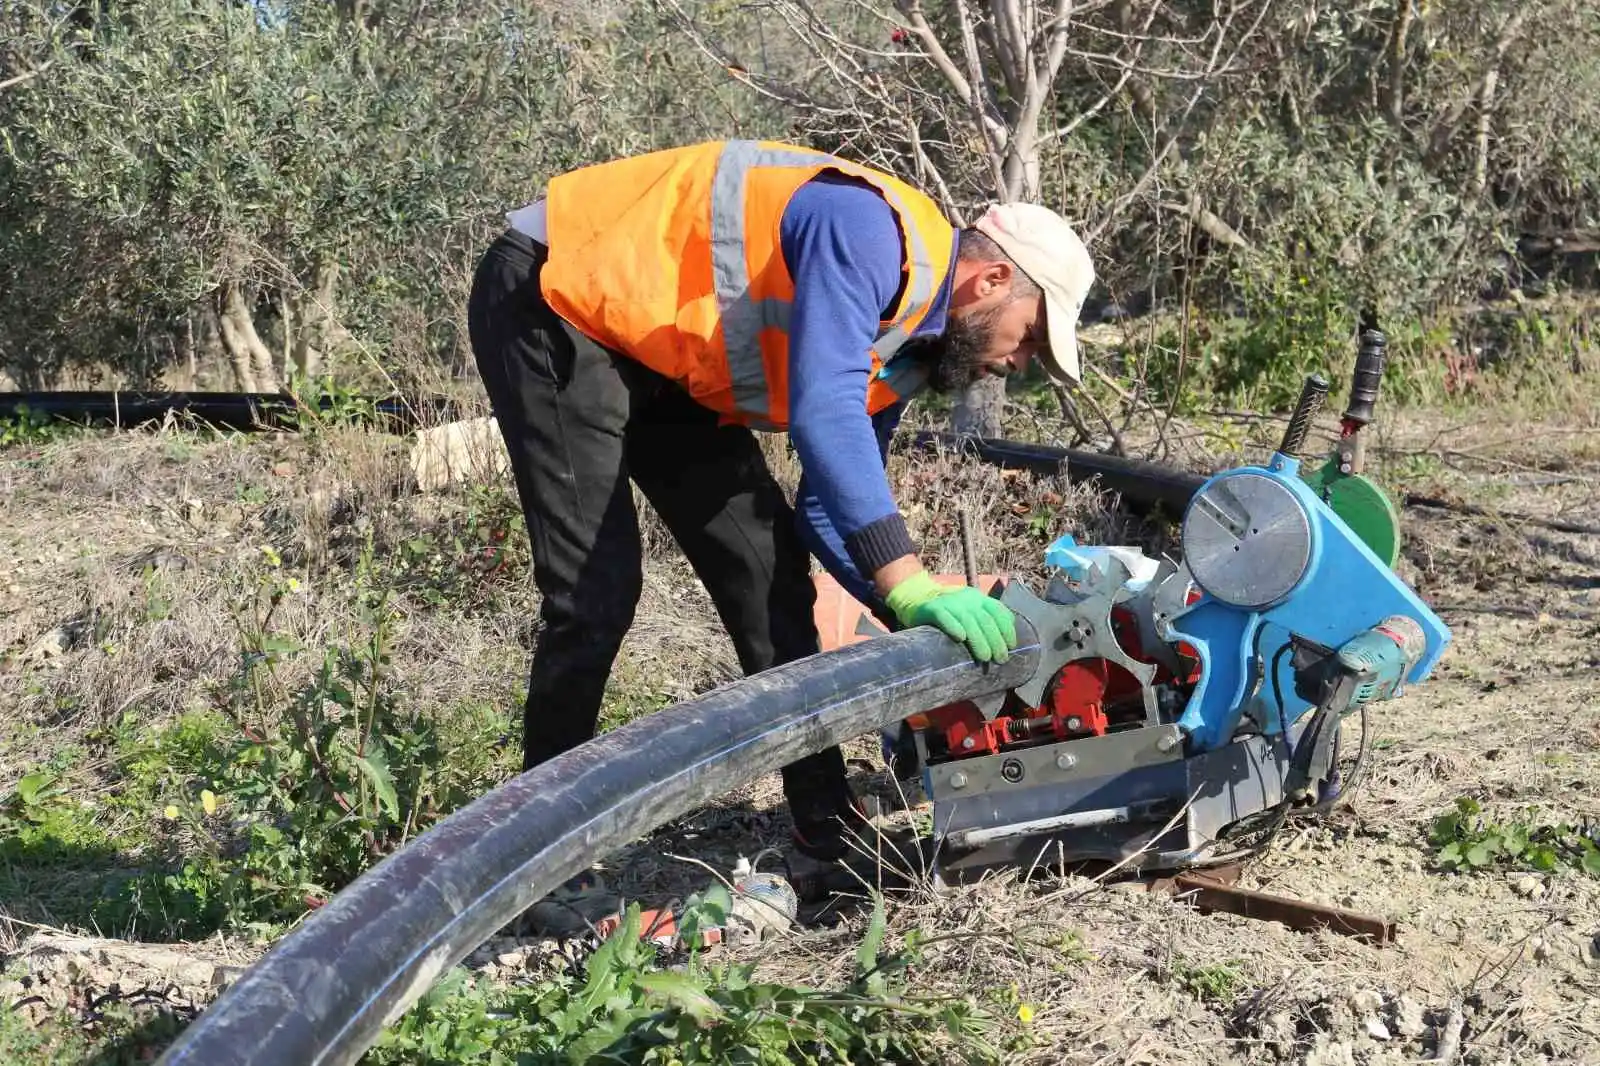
[{"x": 1046, "y": 249}]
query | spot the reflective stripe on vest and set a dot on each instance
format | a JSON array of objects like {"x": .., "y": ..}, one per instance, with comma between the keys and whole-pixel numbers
[{"x": 743, "y": 318}]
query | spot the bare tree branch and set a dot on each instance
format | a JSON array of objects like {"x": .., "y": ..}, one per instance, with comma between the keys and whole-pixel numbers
[{"x": 27, "y": 75}]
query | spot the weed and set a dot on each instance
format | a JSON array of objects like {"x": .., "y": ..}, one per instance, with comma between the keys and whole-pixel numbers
[
  {"x": 323, "y": 402},
  {"x": 455, "y": 564},
  {"x": 1217, "y": 983},
  {"x": 1467, "y": 840},
  {"x": 118, "y": 1035},
  {"x": 31, "y": 429},
  {"x": 243, "y": 815},
  {"x": 623, "y": 1007}
]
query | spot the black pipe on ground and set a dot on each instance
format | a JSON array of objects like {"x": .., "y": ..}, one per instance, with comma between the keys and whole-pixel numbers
[
  {"x": 1142, "y": 485},
  {"x": 244, "y": 412},
  {"x": 323, "y": 993}
]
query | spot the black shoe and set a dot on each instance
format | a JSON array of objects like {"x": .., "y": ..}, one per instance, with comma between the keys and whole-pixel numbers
[
  {"x": 831, "y": 838},
  {"x": 846, "y": 854},
  {"x": 573, "y": 908}
]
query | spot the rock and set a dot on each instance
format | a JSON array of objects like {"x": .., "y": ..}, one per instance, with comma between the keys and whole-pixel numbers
[
  {"x": 1330, "y": 1053},
  {"x": 1407, "y": 1018},
  {"x": 50, "y": 646},
  {"x": 466, "y": 451},
  {"x": 512, "y": 960},
  {"x": 1530, "y": 887},
  {"x": 1591, "y": 952},
  {"x": 1366, "y": 1003},
  {"x": 1376, "y": 1029},
  {"x": 1277, "y": 1031},
  {"x": 1541, "y": 949}
]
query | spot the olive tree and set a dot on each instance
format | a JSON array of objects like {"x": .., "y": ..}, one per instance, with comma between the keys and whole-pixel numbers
[{"x": 284, "y": 178}]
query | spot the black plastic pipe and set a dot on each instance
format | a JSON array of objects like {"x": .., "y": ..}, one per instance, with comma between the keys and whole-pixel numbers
[
  {"x": 1142, "y": 485},
  {"x": 323, "y": 993},
  {"x": 241, "y": 411}
]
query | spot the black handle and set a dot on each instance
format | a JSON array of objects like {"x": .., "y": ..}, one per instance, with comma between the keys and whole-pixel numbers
[
  {"x": 1368, "y": 376},
  {"x": 1312, "y": 393}
]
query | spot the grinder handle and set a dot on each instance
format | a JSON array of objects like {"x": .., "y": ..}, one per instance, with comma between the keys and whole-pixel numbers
[{"x": 1370, "y": 359}]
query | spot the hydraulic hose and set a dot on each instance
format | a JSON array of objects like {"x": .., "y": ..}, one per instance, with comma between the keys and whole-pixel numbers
[{"x": 323, "y": 993}]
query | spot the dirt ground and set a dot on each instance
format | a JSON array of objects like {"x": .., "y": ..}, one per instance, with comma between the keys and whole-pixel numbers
[{"x": 1505, "y": 961}]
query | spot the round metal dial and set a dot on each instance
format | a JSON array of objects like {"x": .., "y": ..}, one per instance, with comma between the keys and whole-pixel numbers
[{"x": 1247, "y": 540}]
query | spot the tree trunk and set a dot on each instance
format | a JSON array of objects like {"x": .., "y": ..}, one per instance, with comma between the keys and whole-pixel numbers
[
  {"x": 1395, "y": 96},
  {"x": 1480, "y": 165},
  {"x": 314, "y": 315},
  {"x": 185, "y": 367},
  {"x": 238, "y": 352},
  {"x": 252, "y": 362},
  {"x": 979, "y": 411}
]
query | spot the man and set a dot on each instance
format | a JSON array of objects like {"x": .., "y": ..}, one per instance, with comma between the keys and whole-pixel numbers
[{"x": 645, "y": 316}]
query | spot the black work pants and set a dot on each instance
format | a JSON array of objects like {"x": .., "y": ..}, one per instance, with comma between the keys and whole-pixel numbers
[{"x": 579, "y": 421}]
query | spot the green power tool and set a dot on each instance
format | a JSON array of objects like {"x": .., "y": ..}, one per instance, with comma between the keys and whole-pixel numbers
[{"x": 1355, "y": 498}]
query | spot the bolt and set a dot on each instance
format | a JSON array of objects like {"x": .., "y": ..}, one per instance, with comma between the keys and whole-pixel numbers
[
  {"x": 1074, "y": 723},
  {"x": 1011, "y": 770},
  {"x": 1167, "y": 743},
  {"x": 1066, "y": 760},
  {"x": 1344, "y": 468},
  {"x": 958, "y": 780},
  {"x": 968, "y": 743}
]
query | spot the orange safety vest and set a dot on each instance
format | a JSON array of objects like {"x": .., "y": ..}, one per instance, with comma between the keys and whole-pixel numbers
[{"x": 673, "y": 258}]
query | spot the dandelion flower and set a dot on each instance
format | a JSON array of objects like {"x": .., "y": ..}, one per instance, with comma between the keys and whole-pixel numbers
[
  {"x": 208, "y": 800},
  {"x": 1025, "y": 1014},
  {"x": 171, "y": 812}
]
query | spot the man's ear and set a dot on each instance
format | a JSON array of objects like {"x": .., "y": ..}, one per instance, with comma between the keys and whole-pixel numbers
[{"x": 992, "y": 278}]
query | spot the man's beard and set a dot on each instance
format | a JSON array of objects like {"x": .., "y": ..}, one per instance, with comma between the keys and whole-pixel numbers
[{"x": 957, "y": 357}]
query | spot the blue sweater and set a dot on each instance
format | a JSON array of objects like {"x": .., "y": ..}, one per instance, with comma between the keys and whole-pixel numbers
[{"x": 843, "y": 250}]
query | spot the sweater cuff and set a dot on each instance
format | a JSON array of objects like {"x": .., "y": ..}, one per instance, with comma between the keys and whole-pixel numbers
[{"x": 875, "y": 545}]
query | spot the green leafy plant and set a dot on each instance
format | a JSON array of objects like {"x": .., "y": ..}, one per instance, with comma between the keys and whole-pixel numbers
[
  {"x": 623, "y": 1007},
  {"x": 30, "y": 428},
  {"x": 1467, "y": 839},
  {"x": 311, "y": 768},
  {"x": 1217, "y": 983},
  {"x": 467, "y": 557}
]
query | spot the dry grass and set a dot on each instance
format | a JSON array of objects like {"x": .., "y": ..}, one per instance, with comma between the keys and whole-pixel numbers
[{"x": 99, "y": 536}]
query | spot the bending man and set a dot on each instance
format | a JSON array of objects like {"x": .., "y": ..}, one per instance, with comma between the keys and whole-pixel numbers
[{"x": 646, "y": 316}]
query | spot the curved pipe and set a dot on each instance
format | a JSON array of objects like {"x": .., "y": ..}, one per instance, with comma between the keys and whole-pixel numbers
[{"x": 322, "y": 994}]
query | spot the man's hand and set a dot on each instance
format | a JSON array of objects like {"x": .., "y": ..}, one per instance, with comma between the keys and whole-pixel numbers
[{"x": 962, "y": 613}]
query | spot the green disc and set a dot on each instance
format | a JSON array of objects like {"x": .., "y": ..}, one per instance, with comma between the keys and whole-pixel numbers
[{"x": 1362, "y": 505}]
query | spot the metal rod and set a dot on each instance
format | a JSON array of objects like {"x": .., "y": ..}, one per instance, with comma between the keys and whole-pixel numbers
[
  {"x": 969, "y": 558},
  {"x": 1209, "y": 893}
]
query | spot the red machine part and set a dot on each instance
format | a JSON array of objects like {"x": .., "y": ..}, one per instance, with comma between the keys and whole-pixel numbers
[{"x": 1078, "y": 701}]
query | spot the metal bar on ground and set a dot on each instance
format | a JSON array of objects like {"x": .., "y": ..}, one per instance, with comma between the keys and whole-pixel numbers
[{"x": 1213, "y": 892}]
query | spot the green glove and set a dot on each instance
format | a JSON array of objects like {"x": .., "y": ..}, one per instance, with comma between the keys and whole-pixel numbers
[{"x": 982, "y": 623}]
